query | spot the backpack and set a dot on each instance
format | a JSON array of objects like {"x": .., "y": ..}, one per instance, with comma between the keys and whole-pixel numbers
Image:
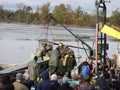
[{"x": 85, "y": 70}]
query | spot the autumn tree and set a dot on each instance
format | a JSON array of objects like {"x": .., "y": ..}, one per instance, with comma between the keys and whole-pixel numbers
[
  {"x": 115, "y": 18},
  {"x": 44, "y": 10},
  {"x": 77, "y": 16},
  {"x": 59, "y": 12}
]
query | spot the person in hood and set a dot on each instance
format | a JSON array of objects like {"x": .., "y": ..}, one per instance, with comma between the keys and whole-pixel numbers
[{"x": 45, "y": 84}]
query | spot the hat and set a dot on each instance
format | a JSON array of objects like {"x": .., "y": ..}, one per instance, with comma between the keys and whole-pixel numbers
[
  {"x": 35, "y": 58},
  {"x": 60, "y": 45},
  {"x": 53, "y": 77}
]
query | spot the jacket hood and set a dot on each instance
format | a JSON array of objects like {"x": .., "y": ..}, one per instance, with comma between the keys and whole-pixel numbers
[{"x": 45, "y": 75}]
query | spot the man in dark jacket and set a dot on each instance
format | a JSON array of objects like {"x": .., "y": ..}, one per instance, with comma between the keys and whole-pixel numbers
[
  {"x": 54, "y": 82},
  {"x": 103, "y": 81},
  {"x": 45, "y": 84},
  {"x": 29, "y": 83}
]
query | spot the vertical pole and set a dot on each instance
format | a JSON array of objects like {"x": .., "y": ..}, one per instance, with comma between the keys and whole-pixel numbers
[
  {"x": 97, "y": 29},
  {"x": 104, "y": 10},
  {"x": 96, "y": 45}
]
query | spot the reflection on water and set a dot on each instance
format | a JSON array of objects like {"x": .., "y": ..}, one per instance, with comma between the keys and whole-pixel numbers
[{"x": 19, "y": 41}]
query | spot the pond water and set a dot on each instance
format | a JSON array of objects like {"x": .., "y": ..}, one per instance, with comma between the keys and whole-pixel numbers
[{"x": 19, "y": 41}]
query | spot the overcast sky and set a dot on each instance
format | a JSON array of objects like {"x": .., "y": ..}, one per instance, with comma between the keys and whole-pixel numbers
[{"x": 87, "y": 5}]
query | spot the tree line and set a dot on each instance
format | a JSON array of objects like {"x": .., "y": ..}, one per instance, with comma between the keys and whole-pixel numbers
[{"x": 62, "y": 12}]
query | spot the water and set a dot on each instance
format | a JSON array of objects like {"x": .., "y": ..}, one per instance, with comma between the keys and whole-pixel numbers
[
  {"x": 16, "y": 51},
  {"x": 19, "y": 41}
]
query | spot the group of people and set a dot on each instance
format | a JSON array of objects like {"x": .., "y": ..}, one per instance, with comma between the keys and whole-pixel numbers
[
  {"x": 46, "y": 82},
  {"x": 62, "y": 62},
  {"x": 107, "y": 75},
  {"x": 21, "y": 82},
  {"x": 81, "y": 79},
  {"x": 61, "y": 59}
]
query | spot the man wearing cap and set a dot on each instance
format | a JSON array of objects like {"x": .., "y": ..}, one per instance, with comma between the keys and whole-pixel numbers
[
  {"x": 60, "y": 49},
  {"x": 68, "y": 59}
]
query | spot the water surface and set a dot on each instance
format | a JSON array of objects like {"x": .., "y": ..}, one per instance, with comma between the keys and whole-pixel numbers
[{"x": 19, "y": 41}]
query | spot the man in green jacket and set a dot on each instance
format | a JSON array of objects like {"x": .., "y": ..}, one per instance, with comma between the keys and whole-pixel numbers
[{"x": 33, "y": 69}]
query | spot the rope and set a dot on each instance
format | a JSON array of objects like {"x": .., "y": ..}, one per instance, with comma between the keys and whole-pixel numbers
[
  {"x": 118, "y": 48},
  {"x": 78, "y": 56},
  {"x": 46, "y": 35},
  {"x": 52, "y": 35},
  {"x": 85, "y": 50},
  {"x": 43, "y": 33},
  {"x": 78, "y": 46}
]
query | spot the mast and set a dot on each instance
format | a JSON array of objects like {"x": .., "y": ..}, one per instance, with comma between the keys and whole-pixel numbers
[{"x": 100, "y": 4}]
